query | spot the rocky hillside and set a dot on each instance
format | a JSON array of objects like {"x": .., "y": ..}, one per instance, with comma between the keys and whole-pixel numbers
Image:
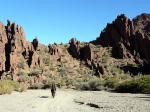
[
  {"x": 129, "y": 39},
  {"x": 123, "y": 46}
]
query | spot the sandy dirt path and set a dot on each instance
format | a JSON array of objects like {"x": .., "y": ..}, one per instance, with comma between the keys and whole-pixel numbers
[{"x": 74, "y": 101}]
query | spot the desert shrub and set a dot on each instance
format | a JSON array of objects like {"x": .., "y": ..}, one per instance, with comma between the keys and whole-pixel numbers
[
  {"x": 61, "y": 83},
  {"x": 52, "y": 67},
  {"x": 111, "y": 82},
  {"x": 62, "y": 71},
  {"x": 135, "y": 85},
  {"x": 21, "y": 87},
  {"x": 69, "y": 82},
  {"x": 37, "y": 86},
  {"x": 35, "y": 72},
  {"x": 7, "y": 86},
  {"x": 22, "y": 73},
  {"x": 41, "y": 85},
  {"x": 48, "y": 74},
  {"x": 46, "y": 60},
  {"x": 21, "y": 64},
  {"x": 23, "y": 76},
  {"x": 123, "y": 76},
  {"x": 83, "y": 86},
  {"x": 92, "y": 85}
]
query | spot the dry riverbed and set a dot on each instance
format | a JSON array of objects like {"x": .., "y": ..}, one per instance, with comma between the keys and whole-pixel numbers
[{"x": 74, "y": 101}]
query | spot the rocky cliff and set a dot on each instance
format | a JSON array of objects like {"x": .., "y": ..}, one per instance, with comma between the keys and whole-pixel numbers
[
  {"x": 129, "y": 39},
  {"x": 14, "y": 48},
  {"x": 124, "y": 44}
]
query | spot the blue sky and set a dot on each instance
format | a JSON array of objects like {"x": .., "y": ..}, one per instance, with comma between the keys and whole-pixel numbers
[{"x": 59, "y": 20}]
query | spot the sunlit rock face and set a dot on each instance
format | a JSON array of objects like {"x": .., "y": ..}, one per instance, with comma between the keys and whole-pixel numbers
[{"x": 130, "y": 39}]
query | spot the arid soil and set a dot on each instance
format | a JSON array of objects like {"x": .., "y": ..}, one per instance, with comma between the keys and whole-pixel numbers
[{"x": 74, "y": 101}]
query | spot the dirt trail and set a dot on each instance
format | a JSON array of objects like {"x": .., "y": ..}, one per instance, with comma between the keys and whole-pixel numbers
[
  {"x": 62, "y": 102},
  {"x": 74, "y": 101}
]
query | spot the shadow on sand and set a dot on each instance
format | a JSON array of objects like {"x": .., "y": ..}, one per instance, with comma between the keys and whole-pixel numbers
[
  {"x": 146, "y": 98},
  {"x": 43, "y": 96}
]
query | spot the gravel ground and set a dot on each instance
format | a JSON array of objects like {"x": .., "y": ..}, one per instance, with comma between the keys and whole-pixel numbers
[{"x": 74, "y": 101}]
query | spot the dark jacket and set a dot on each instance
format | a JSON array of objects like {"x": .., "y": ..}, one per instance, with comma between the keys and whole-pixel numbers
[{"x": 53, "y": 87}]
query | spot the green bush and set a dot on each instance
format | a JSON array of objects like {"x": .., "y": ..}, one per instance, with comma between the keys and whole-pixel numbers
[
  {"x": 111, "y": 82},
  {"x": 138, "y": 84},
  {"x": 135, "y": 85},
  {"x": 92, "y": 85}
]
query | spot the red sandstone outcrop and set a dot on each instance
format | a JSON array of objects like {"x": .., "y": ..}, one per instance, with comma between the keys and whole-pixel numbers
[
  {"x": 13, "y": 45},
  {"x": 141, "y": 40},
  {"x": 74, "y": 48},
  {"x": 86, "y": 53},
  {"x": 35, "y": 44},
  {"x": 31, "y": 55},
  {"x": 118, "y": 35},
  {"x": 11, "y": 42},
  {"x": 80, "y": 51},
  {"x": 129, "y": 39},
  {"x": 3, "y": 41},
  {"x": 53, "y": 49}
]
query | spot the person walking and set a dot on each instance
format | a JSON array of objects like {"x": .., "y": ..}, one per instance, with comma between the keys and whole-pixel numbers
[{"x": 53, "y": 89}]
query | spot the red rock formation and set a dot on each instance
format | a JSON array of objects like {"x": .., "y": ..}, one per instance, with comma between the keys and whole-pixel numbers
[
  {"x": 118, "y": 35},
  {"x": 141, "y": 40},
  {"x": 13, "y": 45},
  {"x": 53, "y": 49},
  {"x": 86, "y": 53},
  {"x": 16, "y": 43},
  {"x": 36, "y": 61},
  {"x": 3, "y": 40},
  {"x": 35, "y": 43},
  {"x": 74, "y": 48},
  {"x": 129, "y": 39},
  {"x": 78, "y": 51},
  {"x": 31, "y": 56}
]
